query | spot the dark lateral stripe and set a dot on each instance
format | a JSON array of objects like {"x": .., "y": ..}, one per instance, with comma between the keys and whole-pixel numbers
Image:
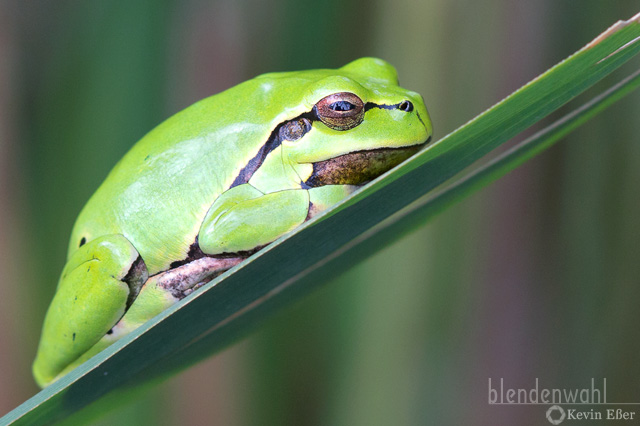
[
  {"x": 247, "y": 171},
  {"x": 274, "y": 141}
]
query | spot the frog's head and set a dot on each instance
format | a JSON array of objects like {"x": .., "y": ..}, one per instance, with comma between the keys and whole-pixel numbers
[{"x": 359, "y": 124}]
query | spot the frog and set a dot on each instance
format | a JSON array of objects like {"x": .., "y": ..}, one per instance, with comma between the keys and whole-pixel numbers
[{"x": 215, "y": 183}]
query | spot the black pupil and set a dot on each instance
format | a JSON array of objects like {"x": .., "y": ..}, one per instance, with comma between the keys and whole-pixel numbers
[{"x": 342, "y": 106}]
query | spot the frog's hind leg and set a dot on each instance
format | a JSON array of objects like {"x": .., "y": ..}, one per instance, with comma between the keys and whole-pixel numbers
[
  {"x": 157, "y": 294},
  {"x": 98, "y": 284}
]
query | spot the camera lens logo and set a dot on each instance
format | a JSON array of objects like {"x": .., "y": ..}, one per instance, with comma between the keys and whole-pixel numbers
[{"x": 556, "y": 414}]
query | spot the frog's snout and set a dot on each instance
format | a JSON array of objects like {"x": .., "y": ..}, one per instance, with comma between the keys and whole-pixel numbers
[{"x": 407, "y": 106}]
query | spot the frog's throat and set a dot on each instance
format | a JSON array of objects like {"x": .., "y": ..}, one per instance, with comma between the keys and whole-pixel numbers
[{"x": 360, "y": 167}]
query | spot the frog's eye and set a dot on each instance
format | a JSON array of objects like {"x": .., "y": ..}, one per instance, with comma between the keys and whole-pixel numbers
[
  {"x": 340, "y": 111},
  {"x": 294, "y": 129}
]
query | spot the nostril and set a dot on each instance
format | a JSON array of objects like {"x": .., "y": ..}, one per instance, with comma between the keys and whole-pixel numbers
[{"x": 406, "y": 106}]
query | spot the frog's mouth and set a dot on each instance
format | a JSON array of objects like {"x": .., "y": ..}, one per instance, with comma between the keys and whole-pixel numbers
[{"x": 360, "y": 167}]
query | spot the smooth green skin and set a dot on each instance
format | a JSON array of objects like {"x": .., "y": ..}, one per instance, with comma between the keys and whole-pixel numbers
[{"x": 176, "y": 184}]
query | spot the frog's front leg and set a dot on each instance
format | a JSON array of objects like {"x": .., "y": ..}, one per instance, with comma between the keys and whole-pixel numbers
[
  {"x": 243, "y": 218},
  {"x": 97, "y": 285}
]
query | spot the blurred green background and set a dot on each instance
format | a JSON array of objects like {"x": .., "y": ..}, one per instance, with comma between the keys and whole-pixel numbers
[{"x": 535, "y": 277}]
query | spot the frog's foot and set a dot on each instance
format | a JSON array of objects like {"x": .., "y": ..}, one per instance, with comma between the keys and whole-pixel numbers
[
  {"x": 243, "y": 219},
  {"x": 97, "y": 286}
]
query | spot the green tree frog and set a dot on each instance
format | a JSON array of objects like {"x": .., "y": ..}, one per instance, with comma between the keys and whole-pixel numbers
[{"x": 215, "y": 183}]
